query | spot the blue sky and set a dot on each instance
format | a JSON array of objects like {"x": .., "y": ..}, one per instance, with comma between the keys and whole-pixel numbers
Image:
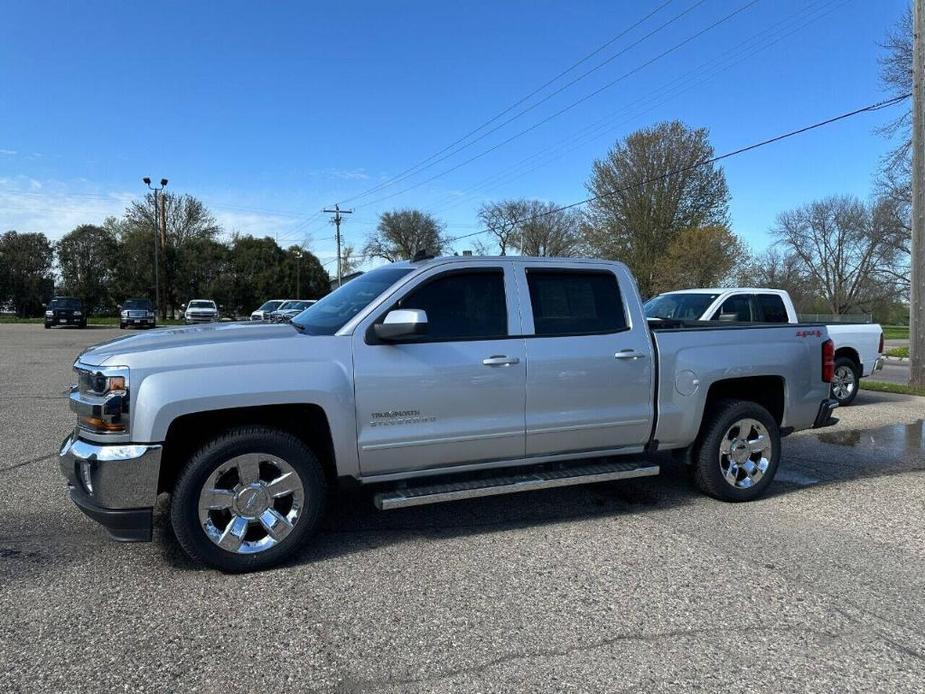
[{"x": 270, "y": 111}]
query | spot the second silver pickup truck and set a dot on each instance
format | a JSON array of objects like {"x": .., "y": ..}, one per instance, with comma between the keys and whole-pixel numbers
[{"x": 433, "y": 381}]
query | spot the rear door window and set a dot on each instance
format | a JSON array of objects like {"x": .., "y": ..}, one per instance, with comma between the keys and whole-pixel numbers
[
  {"x": 575, "y": 302},
  {"x": 771, "y": 308},
  {"x": 738, "y": 305}
]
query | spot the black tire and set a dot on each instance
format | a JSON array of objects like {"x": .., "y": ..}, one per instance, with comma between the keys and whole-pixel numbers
[
  {"x": 48, "y": 326},
  {"x": 709, "y": 471},
  {"x": 121, "y": 326},
  {"x": 184, "y": 502},
  {"x": 82, "y": 325},
  {"x": 851, "y": 370}
]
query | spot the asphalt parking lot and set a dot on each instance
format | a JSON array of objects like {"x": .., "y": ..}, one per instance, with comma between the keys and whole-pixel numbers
[{"x": 641, "y": 585}]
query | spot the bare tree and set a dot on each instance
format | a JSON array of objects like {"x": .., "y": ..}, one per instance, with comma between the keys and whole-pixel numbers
[
  {"x": 895, "y": 179},
  {"x": 502, "y": 219},
  {"x": 649, "y": 188},
  {"x": 851, "y": 252},
  {"x": 402, "y": 233},
  {"x": 548, "y": 231},
  {"x": 778, "y": 269}
]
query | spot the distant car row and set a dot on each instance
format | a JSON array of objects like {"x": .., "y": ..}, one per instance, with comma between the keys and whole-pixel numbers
[
  {"x": 141, "y": 313},
  {"x": 281, "y": 310}
]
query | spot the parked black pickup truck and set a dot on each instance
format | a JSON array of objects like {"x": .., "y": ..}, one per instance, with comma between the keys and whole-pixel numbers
[{"x": 65, "y": 310}]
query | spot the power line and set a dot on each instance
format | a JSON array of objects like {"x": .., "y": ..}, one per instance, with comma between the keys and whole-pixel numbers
[
  {"x": 430, "y": 159},
  {"x": 685, "y": 82},
  {"x": 705, "y": 162},
  {"x": 574, "y": 104}
]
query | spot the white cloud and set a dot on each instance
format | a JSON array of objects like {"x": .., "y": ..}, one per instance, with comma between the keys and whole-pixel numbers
[
  {"x": 8, "y": 152},
  {"x": 27, "y": 205}
]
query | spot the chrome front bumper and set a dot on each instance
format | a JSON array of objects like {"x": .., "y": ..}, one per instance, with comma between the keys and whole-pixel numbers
[{"x": 116, "y": 485}]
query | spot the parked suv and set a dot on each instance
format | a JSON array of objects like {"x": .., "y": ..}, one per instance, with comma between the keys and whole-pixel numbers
[
  {"x": 200, "y": 311},
  {"x": 137, "y": 312},
  {"x": 65, "y": 310}
]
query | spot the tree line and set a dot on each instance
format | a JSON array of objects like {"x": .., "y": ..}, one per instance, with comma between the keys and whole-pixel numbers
[
  {"x": 657, "y": 202},
  {"x": 107, "y": 263}
]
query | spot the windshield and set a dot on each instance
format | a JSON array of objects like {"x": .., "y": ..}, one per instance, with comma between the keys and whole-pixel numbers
[
  {"x": 328, "y": 315},
  {"x": 679, "y": 306},
  {"x": 270, "y": 306},
  {"x": 65, "y": 303},
  {"x": 202, "y": 304},
  {"x": 137, "y": 305},
  {"x": 286, "y": 305}
]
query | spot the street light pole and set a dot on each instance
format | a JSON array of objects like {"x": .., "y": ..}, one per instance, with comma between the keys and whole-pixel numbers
[{"x": 157, "y": 231}]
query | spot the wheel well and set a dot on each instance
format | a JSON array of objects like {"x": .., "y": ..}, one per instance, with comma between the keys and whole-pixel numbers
[
  {"x": 188, "y": 433},
  {"x": 850, "y": 354},
  {"x": 767, "y": 391}
]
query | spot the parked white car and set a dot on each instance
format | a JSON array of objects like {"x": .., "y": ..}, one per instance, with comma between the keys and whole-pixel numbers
[
  {"x": 859, "y": 346},
  {"x": 200, "y": 311}
]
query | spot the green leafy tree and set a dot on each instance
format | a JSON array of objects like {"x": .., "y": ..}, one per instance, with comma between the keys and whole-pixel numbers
[
  {"x": 402, "y": 233},
  {"x": 308, "y": 278},
  {"x": 639, "y": 209},
  {"x": 701, "y": 257},
  {"x": 86, "y": 257},
  {"x": 26, "y": 278},
  {"x": 188, "y": 221}
]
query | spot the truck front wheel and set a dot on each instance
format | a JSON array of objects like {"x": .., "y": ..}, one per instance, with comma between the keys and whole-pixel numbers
[
  {"x": 248, "y": 499},
  {"x": 738, "y": 451}
]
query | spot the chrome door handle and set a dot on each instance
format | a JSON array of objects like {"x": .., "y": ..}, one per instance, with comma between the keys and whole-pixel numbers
[
  {"x": 500, "y": 360},
  {"x": 629, "y": 354}
]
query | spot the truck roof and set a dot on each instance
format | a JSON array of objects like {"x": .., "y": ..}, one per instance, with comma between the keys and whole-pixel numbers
[
  {"x": 720, "y": 290},
  {"x": 551, "y": 260}
]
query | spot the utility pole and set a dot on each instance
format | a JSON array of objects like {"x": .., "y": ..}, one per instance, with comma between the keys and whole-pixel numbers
[
  {"x": 337, "y": 212},
  {"x": 160, "y": 229},
  {"x": 917, "y": 298}
]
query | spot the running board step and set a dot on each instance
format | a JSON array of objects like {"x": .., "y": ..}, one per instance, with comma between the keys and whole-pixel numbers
[{"x": 511, "y": 484}]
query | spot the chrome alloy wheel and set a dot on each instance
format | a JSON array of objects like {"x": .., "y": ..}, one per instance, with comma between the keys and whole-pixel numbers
[
  {"x": 745, "y": 453},
  {"x": 250, "y": 503},
  {"x": 843, "y": 382}
]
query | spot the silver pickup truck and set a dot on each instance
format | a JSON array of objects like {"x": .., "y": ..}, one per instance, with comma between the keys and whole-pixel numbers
[{"x": 433, "y": 381}]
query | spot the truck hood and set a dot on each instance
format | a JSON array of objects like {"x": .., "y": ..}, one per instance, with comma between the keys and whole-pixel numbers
[{"x": 210, "y": 338}]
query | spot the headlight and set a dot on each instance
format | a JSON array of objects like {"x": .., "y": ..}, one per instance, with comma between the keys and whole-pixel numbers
[
  {"x": 101, "y": 399},
  {"x": 150, "y": 314},
  {"x": 78, "y": 313},
  {"x": 125, "y": 314},
  {"x": 49, "y": 313}
]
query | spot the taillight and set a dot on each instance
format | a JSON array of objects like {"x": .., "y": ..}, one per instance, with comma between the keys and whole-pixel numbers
[
  {"x": 828, "y": 361},
  {"x": 880, "y": 347}
]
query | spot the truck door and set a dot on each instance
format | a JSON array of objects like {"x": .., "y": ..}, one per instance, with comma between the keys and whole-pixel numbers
[
  {"x": 456, "y": 394},
  {"x": 589, "y": 360}
]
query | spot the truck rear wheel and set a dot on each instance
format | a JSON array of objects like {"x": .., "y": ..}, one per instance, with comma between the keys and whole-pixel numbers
[
  {"x": 845, "y": 381},
  {"x": 248, "y": 499},
  {"x": 738, "y": 452}
]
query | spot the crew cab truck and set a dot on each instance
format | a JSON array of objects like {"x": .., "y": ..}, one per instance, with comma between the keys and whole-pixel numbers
[
  {"x": 858, "y": 346},
  {"x": 434, "y": 381}
]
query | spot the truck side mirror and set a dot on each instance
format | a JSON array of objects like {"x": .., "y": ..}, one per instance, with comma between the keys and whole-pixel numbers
[
  {"x": 729, "y": 317},
  {"x": 401, "y": 324}
]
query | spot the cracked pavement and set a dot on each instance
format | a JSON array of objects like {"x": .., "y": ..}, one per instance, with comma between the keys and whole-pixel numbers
[{"x": 642, "y": 585}]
